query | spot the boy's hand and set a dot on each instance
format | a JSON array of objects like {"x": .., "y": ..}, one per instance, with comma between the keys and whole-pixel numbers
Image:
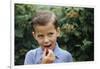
[{"x": 48, "y": 56}]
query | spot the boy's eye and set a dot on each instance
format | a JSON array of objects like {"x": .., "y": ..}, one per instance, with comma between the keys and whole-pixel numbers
[
  {"x": 40, "y": 36},
  {"x": 50, "y": 34}
]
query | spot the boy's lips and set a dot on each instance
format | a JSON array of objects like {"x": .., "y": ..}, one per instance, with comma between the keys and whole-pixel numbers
[{"x": 47, "y": 46}]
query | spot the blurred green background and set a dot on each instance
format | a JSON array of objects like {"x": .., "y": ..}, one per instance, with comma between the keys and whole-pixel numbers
[{"x": 77, "y": 30}]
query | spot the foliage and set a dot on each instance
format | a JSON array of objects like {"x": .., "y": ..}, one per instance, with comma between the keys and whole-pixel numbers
[{"x": 77, "y": 30}]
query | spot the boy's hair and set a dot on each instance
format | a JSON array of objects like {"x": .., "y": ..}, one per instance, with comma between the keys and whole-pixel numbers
[{"x": 42, "y": 18}]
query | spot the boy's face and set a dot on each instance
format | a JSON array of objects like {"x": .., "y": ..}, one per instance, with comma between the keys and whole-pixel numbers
[{"x": 46, "y": 35}]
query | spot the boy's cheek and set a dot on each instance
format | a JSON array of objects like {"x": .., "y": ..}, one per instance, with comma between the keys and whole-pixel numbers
[{"x": 38, "y": 40}]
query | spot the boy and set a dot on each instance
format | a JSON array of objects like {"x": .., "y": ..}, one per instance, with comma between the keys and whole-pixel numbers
[{"x": 45, "y": 31}]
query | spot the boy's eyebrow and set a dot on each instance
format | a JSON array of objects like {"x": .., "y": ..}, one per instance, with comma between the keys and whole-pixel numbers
[{"x": 38, "y": 33}]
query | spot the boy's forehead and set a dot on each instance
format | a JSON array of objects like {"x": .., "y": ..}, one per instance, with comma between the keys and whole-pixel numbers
[{"x": 45, "y": 28}]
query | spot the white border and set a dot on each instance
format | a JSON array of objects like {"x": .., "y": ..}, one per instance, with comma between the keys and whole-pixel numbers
[
  {"x": 75, "y": 3},
  {"x": 4, "y": 34},
  {"x": 12, "y": 35}
]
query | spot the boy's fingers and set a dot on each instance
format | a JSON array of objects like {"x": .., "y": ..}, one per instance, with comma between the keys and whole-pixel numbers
[
  {"x": 50, "y": 52},
  {"x": 49, "y": 58},
  {"x": 44, "y": 52}
]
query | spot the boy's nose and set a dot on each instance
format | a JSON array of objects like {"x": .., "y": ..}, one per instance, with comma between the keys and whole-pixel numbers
[{"x": 46, "y": 40}]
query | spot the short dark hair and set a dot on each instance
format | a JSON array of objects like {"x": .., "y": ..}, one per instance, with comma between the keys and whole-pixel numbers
[{"x": 42, "y": 18}]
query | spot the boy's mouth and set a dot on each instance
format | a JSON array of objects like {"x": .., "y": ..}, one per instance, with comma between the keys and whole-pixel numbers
[{"x": 47, "y": 46}]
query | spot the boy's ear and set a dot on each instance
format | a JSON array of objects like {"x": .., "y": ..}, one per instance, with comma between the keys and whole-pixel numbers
[
  {"x": 33, "y": 34},
  {"x": 58, "y": 31}
]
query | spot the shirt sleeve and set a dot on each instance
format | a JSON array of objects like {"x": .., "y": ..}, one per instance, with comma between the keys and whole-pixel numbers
[
  {"x": 29, "y": 58},
  {"x": 69, "y": 57}
]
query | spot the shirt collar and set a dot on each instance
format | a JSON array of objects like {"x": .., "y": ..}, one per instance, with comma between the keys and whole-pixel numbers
[{"x": 57, "y": 51}]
